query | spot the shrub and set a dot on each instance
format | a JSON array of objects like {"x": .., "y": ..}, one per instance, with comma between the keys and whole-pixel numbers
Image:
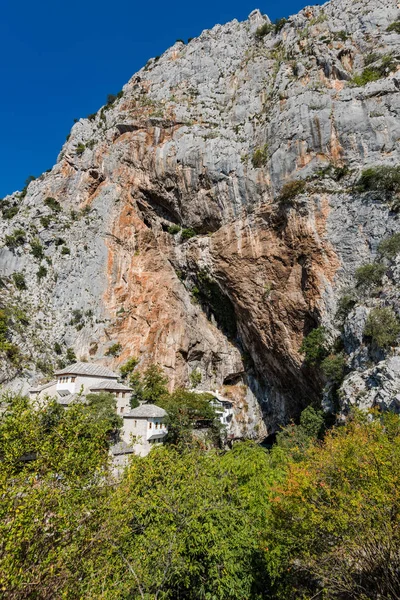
[
  {"x": 341, "y": 35},
  {"x": 314, "y": 346},
  {"x": 70, "y": 355},
  {"x": 390, "y": 247},
  {"x": 345, "y": 305},
  {"x": 80, "y": 149},
  {"x": 370, "y": 275},
  {"x": 290, "y": 190},
  {"x": 279, "y": 24},
  {"x": 383, "y": 327},
  {"x": 195, "y": 378},
  {"x": 53, "y": 204},
  {"x": 45, "y": 221},
  {"x": 92, "y": 116},
  {"x": 264, "y": 30},
  {"x": 37, "y": 248},
  {"x": 114, "y": 350},
  {"x": 377, "y": 71},
  {"x": 174, "y": 229},
  {"x": 260, "y": 157},
  {"x": 59, "y": 241},
  {"x": 333, "y": 367},
  {"x": 19, "y": 281},
  {"x": 9, "y": 212},
  {"x": 65, "y": 250},
  {"x": 380, "y": 178},
  {"x": 41, "y": 273},
  {"x": 188, "y": 233},
  {"x": 17, "y": 238},
  {"x": 57, "y": 348},
  {"x": 394, "y": 27},
  {"x": 128, "y": 367},
  {"x": 369, "y": 74}
]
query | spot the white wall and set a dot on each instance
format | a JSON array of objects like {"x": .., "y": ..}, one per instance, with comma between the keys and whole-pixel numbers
[{"x": 140, "y": 430}]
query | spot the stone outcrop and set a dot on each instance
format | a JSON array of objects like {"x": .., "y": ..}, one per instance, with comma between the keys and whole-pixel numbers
[{"x": 175, "y": 238}]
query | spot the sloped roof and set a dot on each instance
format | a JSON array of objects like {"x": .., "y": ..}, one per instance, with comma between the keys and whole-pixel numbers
[
  {"x": 121, "y": 448},
  {"x": 111, "y": 385},
  {"x": 146, "y": 411},
  {"x": 82, "y": 368},
  {"x": 69, "y": 399},
  {"x": 157, "y": 436},
  {"x": 40, "y": 388}
]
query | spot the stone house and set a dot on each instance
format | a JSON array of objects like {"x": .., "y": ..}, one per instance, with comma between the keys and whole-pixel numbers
[{"x": 143, "y": 427}]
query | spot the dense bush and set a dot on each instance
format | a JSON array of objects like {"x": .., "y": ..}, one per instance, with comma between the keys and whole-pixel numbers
[
  {"x": 390, "y": 247},
  {"x": 370, "y": 275},
  {"x": 128, "y": 367},
  {"x": 383, "y": 327},
  {"x": 310, "y": 518},
  {"x": 314, "y": 346},
  {"x": 53, "y": 204},
  {"x": 37, "y": 248},
  {"x": 290, "y": 190},
  {"x": 376, "y": 71},
  {"x": 394, "y": 27},
  {"x": 380, "y": 178},
  {"x": 80, "y": 149},
  {"x": 45, "y": 221},
  {"x": 345, "y": 305},
  {"x": 174, "y": 229},
  {"x": 333, "y": 367},
  {"x": 15, "y": 239},
  {"x": 41, "y": 273},
  {"x": 264, "y": 30},
  {"x": 19, "y": 281},
  {"x": 65, "y": 251},
  {"x": 114, "y": 350},
  {"x": 188, "y": 233},
  {"x": 260, "y": 157}
]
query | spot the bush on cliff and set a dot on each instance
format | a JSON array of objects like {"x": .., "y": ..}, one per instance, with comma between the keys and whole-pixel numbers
[
  {"x": 314, "y": 346},
  {"x": 390, "y": 247},
  {"x": 370, "y": 275},
  {"x": 383, "y": 327},
  {"x": 380, "y": 178}
]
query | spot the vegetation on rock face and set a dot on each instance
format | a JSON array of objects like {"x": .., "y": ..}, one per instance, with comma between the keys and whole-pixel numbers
[
  {"x": 19, "y": 281},
  {"x": 380, "y": 178},
  {"x": 114, "y": 350},
  {"x": 260, "y": 157},
  {"x": 15, "y": 239},
  {"x": 333, "y": 367},
  {"x": 290, "y": 190},
  {"x": 314, "y": 346},
  {"x": 370, "y": 275},
  {"x": 394, "y": 27},
  {"x": 383, "y": 327},
  {"x": 53, "y": 204},
  {"x": 390, "y": 247}
]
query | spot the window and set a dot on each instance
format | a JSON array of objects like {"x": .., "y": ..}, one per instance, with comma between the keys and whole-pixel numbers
[
  {"x": 135, "y": 423},
  {"x": 73, "y": 379},
  {"x": 121, "y": 409},
  {"x": 149, "y": 424},
  {"x": 156, "y": 424}
]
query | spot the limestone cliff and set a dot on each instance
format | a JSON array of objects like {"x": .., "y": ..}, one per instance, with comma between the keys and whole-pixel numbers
[{"x": 171, "y": 229}]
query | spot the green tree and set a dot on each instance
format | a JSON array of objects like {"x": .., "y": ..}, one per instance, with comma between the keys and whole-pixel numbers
[
  {"x": 154, "y": 384},
  {"x": 383, "y": 327},
  {"x": 314, "y": 346}
]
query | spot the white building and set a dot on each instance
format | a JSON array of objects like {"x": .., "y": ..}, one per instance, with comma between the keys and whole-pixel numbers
[{"x": 143, "y": 427}]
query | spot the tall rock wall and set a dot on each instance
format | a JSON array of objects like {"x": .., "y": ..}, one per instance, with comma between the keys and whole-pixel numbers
[{"x": 174, "y": 238}]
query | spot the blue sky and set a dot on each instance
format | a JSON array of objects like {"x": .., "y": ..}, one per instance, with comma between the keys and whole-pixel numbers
[{"x": 61, "y": 59}]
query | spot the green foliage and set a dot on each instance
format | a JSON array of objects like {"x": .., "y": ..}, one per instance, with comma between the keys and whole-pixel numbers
[
  {"x": 57, "y": 348},
  {"x": 195, "y": 377},
  {"x": 80, "y": 149},
  {"x": 383, "y": 327},
  {"x": 290, "y": 190},
  {"x": 341, "y": 35},
  {"x": 37, "y": 248},
  {"x": 65, "y": 250},
  {"x": 128, "y": 367},
  {"x": 154, "y": 382},
  {"x": 19, "y": 281},
  {"x": 70, "y": 356},
  {"x": 346, "y": 304},
  {"x": 53, "y": 204},
  {"x": 390, "y": 247},
  {"x": 279, "y": 24},
  {"x": 394, "y": 27},
  {"x": 295, "y": 439},
  {"x": 7, "y": 348},
  {"x": 380, "y": 178},
  {"x": 260, "y": 157},
  {"x": 41, "y": 272},
  {"x": 103, "y": 407},
  {"x": 188, "y": 233},
  {"x": 333, "y": 367},
  {"x": 370, "y": 275},
  {"x": 314, "y": 346},
  {"x": 45, "y": 221},
  {"x": 185, "y": 410},
  {"x": 15, "y": 239},
  {"x": 378, "y": 70},
  {"x": 264, "y": 30},
  {"x": 8, "y": 210},
  {"x": 114, "y": 350},
  {"x": 174, "y": 229}
]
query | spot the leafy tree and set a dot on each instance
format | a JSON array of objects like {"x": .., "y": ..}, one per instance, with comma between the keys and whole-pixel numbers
[
  {"x": 333, "y": 367},
  {"x": 390, "y": 247},
  {"x": 370, "y": 275},
  {"x": 128, "y": 367},
  {"x": 383, "y": 327},
  {"x": 154, "y": 384},
  {"x": 53, "y": 469},
  {"x": 103, "y": 406},
  {"x": 185, "y": 409},
  {"x": 380, "y": 178},
  {"x": 314, "y": 346}
]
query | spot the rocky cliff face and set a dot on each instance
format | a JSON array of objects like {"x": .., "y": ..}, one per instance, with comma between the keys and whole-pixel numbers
[{"x": 175, "y": 234}]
